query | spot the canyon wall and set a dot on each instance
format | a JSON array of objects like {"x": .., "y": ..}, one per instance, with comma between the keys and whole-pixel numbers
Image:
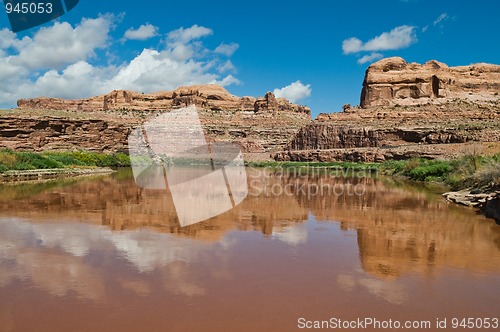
[
  {"x": 408, "y": 110},
  {"x": 211, "y": 97},
  {"x": 260, "y": 125},
  {"x": 393, "y": 81}
]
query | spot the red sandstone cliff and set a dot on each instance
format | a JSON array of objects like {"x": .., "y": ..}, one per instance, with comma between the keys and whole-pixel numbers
[
  {"x": 409, "y": 110},
  {"x": 261, "y": 125},
  {"x": 211, "y": 97},
  {"x": 393, "y": 81}
]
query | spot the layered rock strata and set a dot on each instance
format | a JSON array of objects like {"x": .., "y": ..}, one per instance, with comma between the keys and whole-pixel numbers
[
  {"x": 211, "y": 97},
  {"x": 393, "y": 81},
  {"x": 409, "y": 110},
  {"x": 431, "y": 131},
  {"x": 102, "y": 123}
]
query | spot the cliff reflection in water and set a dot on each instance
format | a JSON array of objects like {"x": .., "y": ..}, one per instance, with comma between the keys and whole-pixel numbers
[{"x": 50, "y": 232}]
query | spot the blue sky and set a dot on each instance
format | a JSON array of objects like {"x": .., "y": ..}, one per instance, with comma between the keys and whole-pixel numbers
[{"x": 250, "y": 47}]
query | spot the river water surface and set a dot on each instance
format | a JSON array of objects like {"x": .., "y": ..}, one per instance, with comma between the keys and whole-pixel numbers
[{"x": 101, "y": 254}]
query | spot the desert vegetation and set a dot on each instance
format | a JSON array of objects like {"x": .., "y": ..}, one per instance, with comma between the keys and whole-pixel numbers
[{"x": 14, "y": 160}]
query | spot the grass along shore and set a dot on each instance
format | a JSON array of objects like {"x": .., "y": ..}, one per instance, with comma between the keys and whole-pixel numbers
[
  {"x": 473, "y": 171},
  {"x": 465, "y": 172},
  {"x": 23, "y": 161}
]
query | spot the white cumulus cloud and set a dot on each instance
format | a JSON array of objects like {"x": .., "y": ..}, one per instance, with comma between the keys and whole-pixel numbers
[
  {"x": 227, "y": 49},
  {"x": 182, "y": 43},
  {"x": 352, "y": 45},
  {"x": 63, "y": 61},
  {"x": 399, "y": 37},
  {"x": 185, "y": 35},
  {"x": 144, "y": 32},
  {"x": 78, "y": 79},
  {"x": 294, "y": 92},
  {"x": 61, "y": 44},
  {"x": 226, "y": 67},
  {"x": 370, "y": 57}
]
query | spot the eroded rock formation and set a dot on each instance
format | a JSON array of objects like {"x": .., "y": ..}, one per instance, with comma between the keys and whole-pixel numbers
[
  {"x": 102, "y": 123},
  {"x": 409, "y": 110},
  {"x": 393, "y": 81},
  {"x": 211, "y": 97},
  {"x": 58, "y": 133},
  {"x": 402, "y": 132}
]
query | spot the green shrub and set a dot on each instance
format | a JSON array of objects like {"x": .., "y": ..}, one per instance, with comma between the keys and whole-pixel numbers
[
  {"x": 411, "y": 165},
  {"x": 7, "y": 158},
  {"x": 31, "y": 160},
  {"x": 65, "y": 158},
  {"x": 101, "y": 159},
  {"x": 37, "y": 161},
  {"x": 121, "y": 160},
  {"x": 22, "y": 166},
  {"x": 429, "y": 171},
  {"x": 394, "y": 166},
  {"x": 94, "y": 158}
]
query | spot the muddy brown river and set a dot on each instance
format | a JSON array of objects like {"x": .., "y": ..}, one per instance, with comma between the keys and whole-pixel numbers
[{"x": 101, "y": 254}]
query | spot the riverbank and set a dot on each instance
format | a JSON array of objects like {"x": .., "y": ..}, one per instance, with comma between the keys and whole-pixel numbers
[
  {"x": 24, "y": 161},
  {"x": 473, "y": 180},
  {"x": 50, "y": 174},
  {"x": 472, "y": 171},
  {"x": 31, "y": 166}
]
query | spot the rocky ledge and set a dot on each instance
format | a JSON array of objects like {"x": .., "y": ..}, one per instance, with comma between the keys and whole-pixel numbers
[
  {"x": 261, "y": 125},
  {"x": 473, "y": 198},
  {"x": 487, "y": 200},
  {"x": 401, "y": 132},
  {"x": 404, "y": 116}
]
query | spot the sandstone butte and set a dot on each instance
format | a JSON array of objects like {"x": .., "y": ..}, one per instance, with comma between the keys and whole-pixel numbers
[
  {"x": 409, "y": 110},
  {"x": 102, "y": 123},
  {"x": 406, "y": 110}
]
